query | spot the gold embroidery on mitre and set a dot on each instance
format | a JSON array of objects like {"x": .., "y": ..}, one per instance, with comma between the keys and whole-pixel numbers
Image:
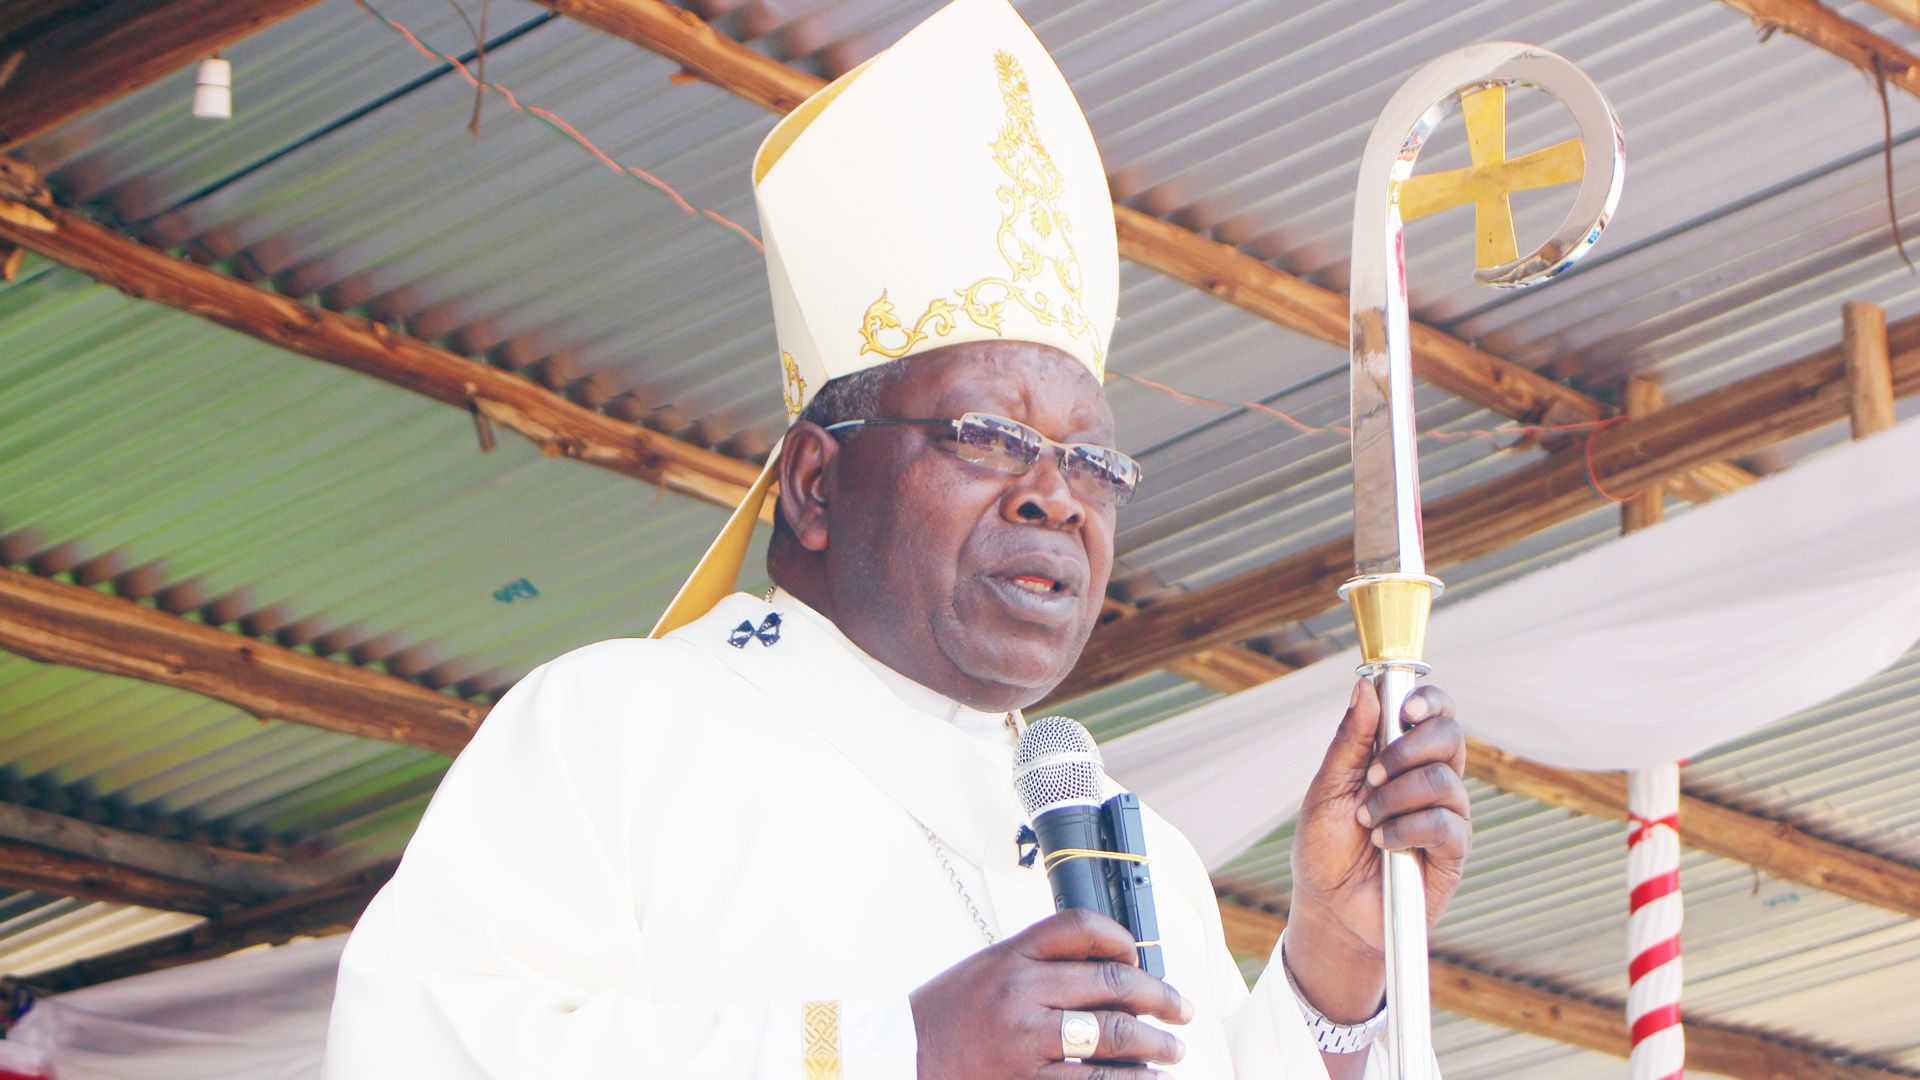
[
  {"x": 820, "y": 1030},
  {"x": 1035, "y": 238},
  {"x": 793, "y": 388}
]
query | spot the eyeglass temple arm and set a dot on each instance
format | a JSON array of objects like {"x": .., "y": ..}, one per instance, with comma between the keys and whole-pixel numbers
[{"x": 892, "y": 420}]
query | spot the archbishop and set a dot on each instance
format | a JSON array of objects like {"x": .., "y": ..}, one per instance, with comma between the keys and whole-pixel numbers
[{"x": 779, "y": 839}]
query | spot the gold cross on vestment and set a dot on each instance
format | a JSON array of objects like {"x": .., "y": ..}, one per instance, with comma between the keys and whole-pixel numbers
[{"x": 1487, "y": 183}]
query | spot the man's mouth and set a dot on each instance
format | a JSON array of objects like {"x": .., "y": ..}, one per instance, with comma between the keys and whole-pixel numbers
[{"x": 1040, "y": 588}]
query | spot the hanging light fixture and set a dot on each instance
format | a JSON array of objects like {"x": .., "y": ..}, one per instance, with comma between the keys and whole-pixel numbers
[{"x": 213, "y": 89}]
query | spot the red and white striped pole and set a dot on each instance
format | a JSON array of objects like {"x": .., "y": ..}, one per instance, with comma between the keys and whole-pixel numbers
[{"x": 1653, "y": 923}]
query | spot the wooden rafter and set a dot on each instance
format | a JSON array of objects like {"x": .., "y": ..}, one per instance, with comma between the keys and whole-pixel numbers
[
  {"x": 57, "y": 623},
  {"x": 1252, "y": 285},
  {"x": 1594, "y": 1025},
  {"x": 325, "y": 909},
  {"x": 559, "y": 427},
  {"x": 75, "y": 56},
  {"x": 53, "y": 853},
  {"x": 1775, "y": 847},
  {"x": 1626, "y": 457},
  {"x": 1817, "y": 23},
  {"x": 1863, "y": 327},
  {"x": 24, "y": 866},
  {"x": 234, "y": 874},
  {"x": 1781, "y": 850}
]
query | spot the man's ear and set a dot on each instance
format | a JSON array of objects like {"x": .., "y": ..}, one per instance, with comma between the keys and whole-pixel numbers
[{"x": 805, "y": 462}]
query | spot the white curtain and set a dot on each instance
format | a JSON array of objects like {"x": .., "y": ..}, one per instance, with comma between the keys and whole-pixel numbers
[
  {"x": 257, "y": 1015},
  {"x": 1650, "y": 649}
]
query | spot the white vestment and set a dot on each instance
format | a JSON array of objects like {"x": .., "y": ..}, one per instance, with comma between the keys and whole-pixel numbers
[{"x": 659, "y": 858}]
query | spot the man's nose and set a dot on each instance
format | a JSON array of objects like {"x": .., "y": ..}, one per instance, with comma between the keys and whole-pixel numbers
[{"x": 1043, "y": 497}]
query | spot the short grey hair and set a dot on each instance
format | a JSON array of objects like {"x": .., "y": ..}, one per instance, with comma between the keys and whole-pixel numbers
[{"x": 849, "y": 397}]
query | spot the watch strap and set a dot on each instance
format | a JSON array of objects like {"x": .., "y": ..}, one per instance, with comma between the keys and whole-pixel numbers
[{"x": 1330, "y": 1037}]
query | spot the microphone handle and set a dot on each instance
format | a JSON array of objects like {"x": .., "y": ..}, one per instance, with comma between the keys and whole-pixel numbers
[
  {"x": 1131, "y": 883},
  {"x": 1077, "y": 883}
]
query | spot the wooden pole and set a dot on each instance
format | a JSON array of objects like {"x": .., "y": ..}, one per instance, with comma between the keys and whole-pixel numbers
[
  {"x": 1731, "y": 421},
  {"x": 1594, "y": 1025},
  {"x": 1642, "y": 396},
  {"x": 1869, "y": 367},
  {"x": 559, "y": 427}
]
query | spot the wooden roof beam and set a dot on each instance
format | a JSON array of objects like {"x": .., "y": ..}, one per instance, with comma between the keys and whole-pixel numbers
[
  {"x": 332, "y": 908},
  {"x": 1841, "y": 36},
  {"x": 52, "y": 853},
  {"x": 82, "y": 55},
  {"x": 1594, "y": 1025},
  {"x": 25, "y": 866},
  {"x": 1774, "y": 847},
  {"x": 235, "y": 874},
  {"x": 29, "y": 218},
  {"x": 1627, "y": 457},
  {"x": 56, "y": 623}
]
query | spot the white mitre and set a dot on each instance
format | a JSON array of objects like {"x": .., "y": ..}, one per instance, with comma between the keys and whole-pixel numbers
[{"x": 946, "y": 191}]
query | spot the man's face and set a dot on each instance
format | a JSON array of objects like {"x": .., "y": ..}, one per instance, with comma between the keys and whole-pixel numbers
[{"x": 980, "y": 584}]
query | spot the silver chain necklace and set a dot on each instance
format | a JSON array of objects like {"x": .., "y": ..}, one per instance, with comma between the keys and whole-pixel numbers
[{"x": 940, "y": 852}]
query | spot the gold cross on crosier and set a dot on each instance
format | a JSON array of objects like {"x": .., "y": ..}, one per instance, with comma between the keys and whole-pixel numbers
[{"x": 1491, "y": 178}]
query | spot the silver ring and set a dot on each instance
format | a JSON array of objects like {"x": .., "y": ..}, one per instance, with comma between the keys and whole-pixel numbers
[{"x": 1079, "y": 1034}]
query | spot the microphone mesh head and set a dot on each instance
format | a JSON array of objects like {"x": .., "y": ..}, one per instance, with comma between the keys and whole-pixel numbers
[{"x": 1056, "y": 763}]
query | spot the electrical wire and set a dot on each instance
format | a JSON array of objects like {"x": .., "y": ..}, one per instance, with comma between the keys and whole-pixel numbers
[{"x": 566, "y": 129}]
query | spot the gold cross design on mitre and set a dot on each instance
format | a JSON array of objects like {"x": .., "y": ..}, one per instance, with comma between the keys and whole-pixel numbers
[{"x": 1487, "y": 183}]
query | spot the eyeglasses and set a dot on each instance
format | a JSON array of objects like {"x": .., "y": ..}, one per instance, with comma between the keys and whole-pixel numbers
[{"x": 1099, "y": 473}]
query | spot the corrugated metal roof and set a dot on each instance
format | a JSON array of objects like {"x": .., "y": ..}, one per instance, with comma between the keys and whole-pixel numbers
[
  {"x": 41, "y": 932},
  {"x": 360, "y": 516}
]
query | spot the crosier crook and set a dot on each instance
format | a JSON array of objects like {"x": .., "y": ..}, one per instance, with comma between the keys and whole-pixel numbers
[{"x": 1392, "y": 592}]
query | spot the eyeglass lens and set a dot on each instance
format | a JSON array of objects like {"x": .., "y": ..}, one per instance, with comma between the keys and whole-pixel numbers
[{"x": 1008, "y": 446}]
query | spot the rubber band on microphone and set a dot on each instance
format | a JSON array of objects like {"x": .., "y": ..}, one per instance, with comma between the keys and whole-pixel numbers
[{"x": 1055, "y": 858}]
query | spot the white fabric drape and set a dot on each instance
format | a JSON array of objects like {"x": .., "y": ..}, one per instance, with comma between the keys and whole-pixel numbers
[
  {"x": 1650, "y": 649},
  {"x": 259, "y": 1015}
]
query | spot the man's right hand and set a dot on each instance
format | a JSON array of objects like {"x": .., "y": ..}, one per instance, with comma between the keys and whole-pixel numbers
[{"x": 996, "y": 1014}]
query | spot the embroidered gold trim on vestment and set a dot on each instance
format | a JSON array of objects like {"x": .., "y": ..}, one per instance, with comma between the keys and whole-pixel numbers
[{"x": 820, "y": 1029}]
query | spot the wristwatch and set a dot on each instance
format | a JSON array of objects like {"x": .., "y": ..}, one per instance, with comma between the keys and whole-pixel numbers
[{"x": 1330, "y": 1037}]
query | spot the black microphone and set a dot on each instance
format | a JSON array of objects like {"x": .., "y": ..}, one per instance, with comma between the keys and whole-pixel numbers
[{"x": 1093, "y": 849}]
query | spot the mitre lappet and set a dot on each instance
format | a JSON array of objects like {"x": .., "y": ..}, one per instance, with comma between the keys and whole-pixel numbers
[{"x": 948, "y": 190}]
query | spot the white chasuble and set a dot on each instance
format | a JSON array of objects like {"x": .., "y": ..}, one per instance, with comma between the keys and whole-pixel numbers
[{"x": 708, "y": 856}]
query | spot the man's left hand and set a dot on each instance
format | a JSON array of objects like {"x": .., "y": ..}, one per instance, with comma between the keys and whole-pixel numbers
[{"x": 1409, "y": 797}]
